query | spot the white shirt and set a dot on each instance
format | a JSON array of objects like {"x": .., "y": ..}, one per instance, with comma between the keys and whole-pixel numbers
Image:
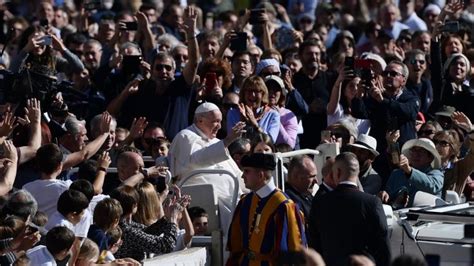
[
  {"x": 266, "y": 190},
  {"x": 40, "y": 256},
  {"x": 415, "y": 23},
  {"x": 96, "y": 199},
  {"x": 80, "y": 230},
  {"x": 47, "y": 192},
  {"x": 57, "y": 219},
  {"x": 192, "y": 150}
]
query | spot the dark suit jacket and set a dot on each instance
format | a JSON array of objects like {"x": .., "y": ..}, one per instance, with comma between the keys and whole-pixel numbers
[{"x": 348, "y": 221}]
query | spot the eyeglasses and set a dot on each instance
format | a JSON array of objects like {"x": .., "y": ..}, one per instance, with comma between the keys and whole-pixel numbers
[
  {"x": 414, "y": 61},
  {"x": 441, "y": 143},
  {"x": 163, "y": 66},
  {"x": 391, "y": 73},
  {"x": 426, "y": 132},
  {"x": 306, "y": 21}
]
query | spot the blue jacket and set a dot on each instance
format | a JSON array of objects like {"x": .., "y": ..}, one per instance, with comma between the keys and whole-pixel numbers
[{"x": 428, "y": 180}]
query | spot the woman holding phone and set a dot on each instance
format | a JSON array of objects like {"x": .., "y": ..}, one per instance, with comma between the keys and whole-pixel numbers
[
  {"x": 37, "y": 53},
  {"x": 254, "y": 110},
  {"x": 346, "y": 88}
]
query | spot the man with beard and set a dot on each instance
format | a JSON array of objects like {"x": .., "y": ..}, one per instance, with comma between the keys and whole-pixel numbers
[
  {"x": 314, "y": 85},
  {"x": 365, "y": 148},
  {"x": 163, "y": 98}
]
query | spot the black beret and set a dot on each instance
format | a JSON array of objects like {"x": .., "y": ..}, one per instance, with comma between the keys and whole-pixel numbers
[{"x": 259, "y": 160}]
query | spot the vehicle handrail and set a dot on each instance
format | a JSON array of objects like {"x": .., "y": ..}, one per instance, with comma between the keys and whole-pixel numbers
[
  {"x": 279, "y": 178},
  {"x": 235, "y": 195},
  {"x": 296, "y": 153}
]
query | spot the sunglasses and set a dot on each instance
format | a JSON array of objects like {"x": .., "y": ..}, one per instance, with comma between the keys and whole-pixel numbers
[
  {"x": 442, "y": 143},
  {"x": 163, "y": 66},
  {"x": 414, "y": 61},
  {"x": 391, "y": 73}
]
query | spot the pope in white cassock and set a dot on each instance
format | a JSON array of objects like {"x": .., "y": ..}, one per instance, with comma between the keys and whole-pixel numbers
[{"x": 197, "y": 147}]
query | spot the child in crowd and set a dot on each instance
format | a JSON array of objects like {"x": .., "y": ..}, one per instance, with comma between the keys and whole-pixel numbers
[
  {"x": 40, "y": 219},
  {"x": 70, "y": 209},
  {"x": 58, "y": 243},
  {"x": 159, "y": 151},
  {"x": 199, "y": 219},
  {"x": 115, "y": 241},
  {"x": 88, "y": 254},
  {"x": 107, "y": 215}
]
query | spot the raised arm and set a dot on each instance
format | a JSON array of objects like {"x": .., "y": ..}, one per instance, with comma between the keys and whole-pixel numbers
[
  {"x": 145, "y": 31},
  {"x": 70, "y": 60},
  {"x": 189, "y": 25},
  {"x": 10, "y": 165},
  {"x": 92, "y": 147},
  {"x": 136, "y": 130},
  {"x": 102, "y": 164},
  {"x": 116, "y": 104},
  {"x": 33, "y": 113},
  {"x": 335, "y": 94},
  {"x": 225, "y": 44}
]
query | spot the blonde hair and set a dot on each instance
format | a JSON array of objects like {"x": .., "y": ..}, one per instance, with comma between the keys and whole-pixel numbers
[
  {"x": 254, "y": 82},
  {"x": 149, "y": 205},
  {"x": 89, "y": 251}
]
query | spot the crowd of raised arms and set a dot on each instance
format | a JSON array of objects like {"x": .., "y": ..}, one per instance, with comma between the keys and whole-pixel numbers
[{"x": 109, "y": 107}]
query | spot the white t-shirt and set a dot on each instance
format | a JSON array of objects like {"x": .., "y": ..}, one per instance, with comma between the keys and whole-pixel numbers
[
  {"x": 96, "y": 199},
  {"x": 80, "y": 230},
  {"x": 57, "y": 219},
  {"x": 47, "y": 192},
  {"x": 180, "y": 245},
  {"x": 40, "y": 256}
]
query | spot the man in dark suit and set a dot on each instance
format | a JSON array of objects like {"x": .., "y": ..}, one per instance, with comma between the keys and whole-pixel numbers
[
  {"x": 301, "y": 179},
  {"x": 328, "y": 183},
  {"x": 349, "y": 221}
]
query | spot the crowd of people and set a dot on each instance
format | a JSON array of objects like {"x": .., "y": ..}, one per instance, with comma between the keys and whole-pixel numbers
[{"x": 107, "y": 107}]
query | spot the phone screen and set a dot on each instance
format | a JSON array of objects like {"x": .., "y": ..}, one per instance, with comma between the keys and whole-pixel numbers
[
  {"x": 349, "y": 62},
  {"x": 240, "y": 42},
  {"x": 211, "y": 81},
  {"x": 131, "y": 63},
  {"x": 46, "y": 40},
  {"x": 255, "y": 16},
  {"x": 131, "y": 25}
]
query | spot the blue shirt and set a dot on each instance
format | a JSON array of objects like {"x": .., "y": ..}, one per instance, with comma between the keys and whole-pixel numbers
[
  {"x": 428, "y": 180},
  {"x": 270, "y": 122}
]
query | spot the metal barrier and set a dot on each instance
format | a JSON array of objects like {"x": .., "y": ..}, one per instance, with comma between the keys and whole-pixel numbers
[
  {"x": 235, "y": 195},
  {"x": 279, "y": 156},
  {"x": 187, "y": 257},
  {"x": 218, "y": 238}
]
